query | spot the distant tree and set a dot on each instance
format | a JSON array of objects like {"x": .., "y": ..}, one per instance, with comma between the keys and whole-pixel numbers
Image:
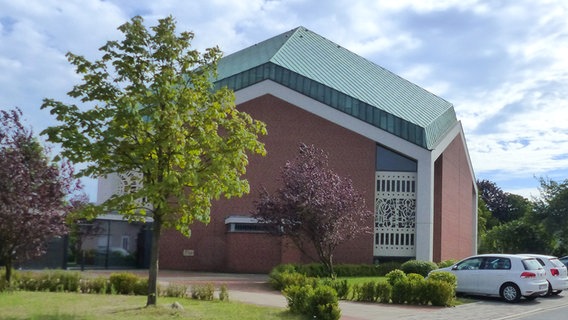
[
  {"x": 156, "y": 114},
  {"x": 494, "y": 198},
  {"x": 517, "y": 236},
  {"x": 33, "y": 193},
  {"x": 485, "y": 220},
  {"x": 551, "y": 209},
  {"x": 315, "y": 207},
  {"x": 503, "y": 206}
]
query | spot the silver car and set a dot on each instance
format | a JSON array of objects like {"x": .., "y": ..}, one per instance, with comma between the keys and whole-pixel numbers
[
  {"x": 507, "y": 276},
  {"x": 556, "y": 273}
]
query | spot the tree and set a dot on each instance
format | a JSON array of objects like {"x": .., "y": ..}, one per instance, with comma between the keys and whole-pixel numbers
[
  {"x": 315, "y": 206},
  {"x": 495, "y": 199},
  {"x": 504, "y": 206},
  {"x": 156, "y": 114},
  {"x": 33, "y": 193},
  {"x": 551, "y": 209},
  {"x": 517, "y": 236}
]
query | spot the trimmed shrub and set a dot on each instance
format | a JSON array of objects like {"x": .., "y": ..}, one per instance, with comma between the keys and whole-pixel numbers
[
  {"x": 203, "y": 292},
  {"x": 445, "y": 276},
  {"x": 174, "y": 291},
  {"x": 99, "y": 285},
  {"x": 417, "y": 291},
  {"x": 324, "y": 304},
  {"x": 286, "y": 279},
  {"x": 356, "y": 292},
  {"x": 446, "y": 263},
  {"x": 401, "y": 291},
  {"x": 368, "y": 292},
  {"x": 440, "y": 292},
  {"x": 53, "y": 281},
  {"x": 383, "y": 292},
  {"x": 341, "y": 270},
  {"x": 386, "y": 267},
  {"x": 394, "y": 276},
  {"x": 124, "y": 283},
  {"x": 340, "y": 286},
  {"x": 418, "y": 266},
  {"x": 298, "y": 298},
  {"x": 223, "y": 293}
]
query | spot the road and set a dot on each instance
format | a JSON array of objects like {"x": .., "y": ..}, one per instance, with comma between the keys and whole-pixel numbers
[{"x": 554, "y": 308}]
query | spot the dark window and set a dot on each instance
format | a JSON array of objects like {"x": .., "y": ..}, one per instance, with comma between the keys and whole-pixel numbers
[{"x": 388, "y": 160}]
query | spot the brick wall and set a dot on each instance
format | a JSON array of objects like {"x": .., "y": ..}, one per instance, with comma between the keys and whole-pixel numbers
[
  {"x": 351, "y": 155},
  {"x": 453, "y": 203}
]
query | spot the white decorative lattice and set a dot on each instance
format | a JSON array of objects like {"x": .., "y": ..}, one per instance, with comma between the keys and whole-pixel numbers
[{"x": 395, "y": 214}]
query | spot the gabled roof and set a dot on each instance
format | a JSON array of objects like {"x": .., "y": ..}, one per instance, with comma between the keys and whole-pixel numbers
[{"x": 312, "y": 65}]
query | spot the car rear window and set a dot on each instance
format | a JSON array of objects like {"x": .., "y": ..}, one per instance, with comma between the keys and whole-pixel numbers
[
  {"x": 531, "y": 264},
  {"x": 557, "y": 263}
]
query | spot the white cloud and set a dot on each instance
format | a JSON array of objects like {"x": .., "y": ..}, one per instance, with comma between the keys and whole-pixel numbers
[{"x": 501, "y": 63}]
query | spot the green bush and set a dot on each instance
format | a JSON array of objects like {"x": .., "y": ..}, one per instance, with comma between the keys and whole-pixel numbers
[
  {"x": 324, "y": 304},
  {"x": 386, "y": 267},
  {"x": 401, "y": 291},
  {"x": 298, "y": 298},
  {"x": 223, "y": 293},
  {"x": 441, "y": 293},
  {"x": 340, "y": 286},
  {"x": 417, "y": 291},
  {"x": 99, "y": 285},
  {"x": 383, "y": 292},
  {"x": 173, "y": 290},
  {"x": 124, "y": 283},
  {"x": 368, "y": 292},
  {"x": 418, "y": 266},
  {"x": 53, "y": 281},
  {"x": 446, "y": 263},
  {"x": 445, "y": 276},
  {"x": 394, "y": 276},
  {"x": 286, "y": 279},
  {"x": 203, "y": 292},
  {"x": 341, "y": 270}
]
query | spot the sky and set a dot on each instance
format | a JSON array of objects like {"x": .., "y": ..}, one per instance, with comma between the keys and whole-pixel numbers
[{"x": 503, "y": 64}]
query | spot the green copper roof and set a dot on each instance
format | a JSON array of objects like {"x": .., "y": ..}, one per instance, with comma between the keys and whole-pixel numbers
[{"x": 327, "y": 72}]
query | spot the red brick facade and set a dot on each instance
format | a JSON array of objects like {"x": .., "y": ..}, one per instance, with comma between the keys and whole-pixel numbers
[
  {"x": 215, "y": 249},
  {"x": 454, "y": 194}
]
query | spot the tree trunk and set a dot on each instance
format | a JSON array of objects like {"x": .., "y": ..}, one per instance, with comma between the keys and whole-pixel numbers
[
  {"x": 8, "y": 270},
  {"x": 154, "y": 257}
]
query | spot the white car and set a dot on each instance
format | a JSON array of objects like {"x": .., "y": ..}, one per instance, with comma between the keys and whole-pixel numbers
[
  {"x": 507, "y": 276},
  {"x": 556, "y": 273}
]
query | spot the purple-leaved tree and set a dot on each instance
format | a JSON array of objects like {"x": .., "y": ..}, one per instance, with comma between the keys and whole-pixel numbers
[
  {"x": 316, "y": 208},
  {"x": 33, "y": 193}
]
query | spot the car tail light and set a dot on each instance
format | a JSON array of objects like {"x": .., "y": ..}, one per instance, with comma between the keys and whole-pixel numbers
[
  {"x": 527, "y": 274},
  {"x": 554, "y": 272}
]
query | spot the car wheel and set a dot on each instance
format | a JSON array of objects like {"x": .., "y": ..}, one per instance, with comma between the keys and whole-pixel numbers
[
  {"x": 549, "y": 292},
  {"x": 510, "y": 292}
]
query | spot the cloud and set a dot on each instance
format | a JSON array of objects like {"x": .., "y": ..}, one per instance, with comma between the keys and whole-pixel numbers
[{"x": 501, "y": 63}]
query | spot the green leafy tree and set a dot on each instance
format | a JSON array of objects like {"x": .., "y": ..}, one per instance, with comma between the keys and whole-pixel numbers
[
  {"x": 551, "y": 209},
  {"x": 151, "y": 108},
  {"x": 518, "y": 236}
]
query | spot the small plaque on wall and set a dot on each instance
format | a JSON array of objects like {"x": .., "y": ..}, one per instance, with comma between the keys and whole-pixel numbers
[{"x": 188, "y": 253}]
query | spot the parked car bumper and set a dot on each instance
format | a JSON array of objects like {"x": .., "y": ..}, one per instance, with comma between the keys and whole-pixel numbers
[{"x": 534, "y": 289}]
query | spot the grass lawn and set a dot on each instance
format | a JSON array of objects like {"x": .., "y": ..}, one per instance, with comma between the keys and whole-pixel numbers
[{"x": 21, "y": 305}]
